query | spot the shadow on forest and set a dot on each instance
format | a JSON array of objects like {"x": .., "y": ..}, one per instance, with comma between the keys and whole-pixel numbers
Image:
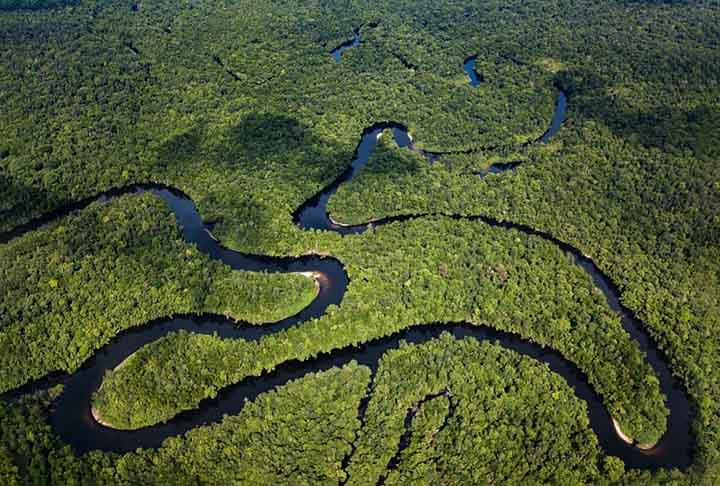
[
  {"x": 266, "y": 143},
  {"x": 272, "y": 152},
  {"x": 392, "y": 160},
  {"x": 181, "y": 150},
  {"x": 265, "y": 153},
  {"x": 31, "y": 5},
  {"x": 675, "y": 190},
  {"x": 665, "y": 128},
  {"x": 261, "y": 136},
  {"x": 259, "y": 142},
  {"x": 20, "y": 199}
]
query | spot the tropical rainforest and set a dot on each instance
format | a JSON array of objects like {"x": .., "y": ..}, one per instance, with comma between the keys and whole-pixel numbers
[{"x": 597, "y": 247}]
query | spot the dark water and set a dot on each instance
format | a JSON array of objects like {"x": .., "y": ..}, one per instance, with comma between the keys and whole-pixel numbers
[
  {"x": 558, "y": 117},
  {"x": 354, "y": 42},
  {"x": 71, "y": 418},
  {"x": 469, "y": 67}
]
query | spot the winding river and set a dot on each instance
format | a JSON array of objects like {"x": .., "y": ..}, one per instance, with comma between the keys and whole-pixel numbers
[
  {"x": 354, "y": 42},
  {"x": 71, "y": 417},
  {"x": 469, "y": 67}
]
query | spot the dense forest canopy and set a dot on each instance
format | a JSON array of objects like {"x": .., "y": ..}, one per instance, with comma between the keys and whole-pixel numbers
[{"x": 241, "y": 106}]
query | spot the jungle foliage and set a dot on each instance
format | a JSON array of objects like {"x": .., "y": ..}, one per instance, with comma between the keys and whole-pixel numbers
[
  {"x": 312, "y": 424},
  {"x": 69, "y": 288},
  {"x": 15, "y": 5},
  {"x": 241, "y": 106},
  {"x": 483, "y": 395},
  {"x": 439, "y": 270},
  {"x": 295, "y": 435}
]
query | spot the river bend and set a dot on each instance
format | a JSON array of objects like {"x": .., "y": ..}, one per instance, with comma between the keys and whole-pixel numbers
[{"x": 71, "y": 417}]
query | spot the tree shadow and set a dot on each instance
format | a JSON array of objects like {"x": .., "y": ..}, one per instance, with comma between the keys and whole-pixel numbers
[
  {"x": 181, "y": 150},
  {"x": 33, "y": 5},
  {"x": 665, "y": 128},
  {"x": 265, "y": 135},
  {"x": 277, "y": 142},
  {"x": 676, "y": 197},
  {"x": 282, "y": 150},
  {"x": 272, "y": 163},
  {"x": 19, "y": 203},
  {"x": 260, "y": 142}
]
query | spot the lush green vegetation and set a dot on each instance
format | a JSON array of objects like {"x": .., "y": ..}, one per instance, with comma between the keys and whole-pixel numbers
[
  {"x": 495, "y": 395},
  {"x": 411, "y": 273},
  {"x": 103, "y": 94},
  {"x": 69, "y": 288},
  {"x": 173, "y": 114},
  {"x": 657, "y": 236},
  {"x": 295, "y": 435},
  {"x": 301, "y": 433},
  {"x": 10, "y": 5}
]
